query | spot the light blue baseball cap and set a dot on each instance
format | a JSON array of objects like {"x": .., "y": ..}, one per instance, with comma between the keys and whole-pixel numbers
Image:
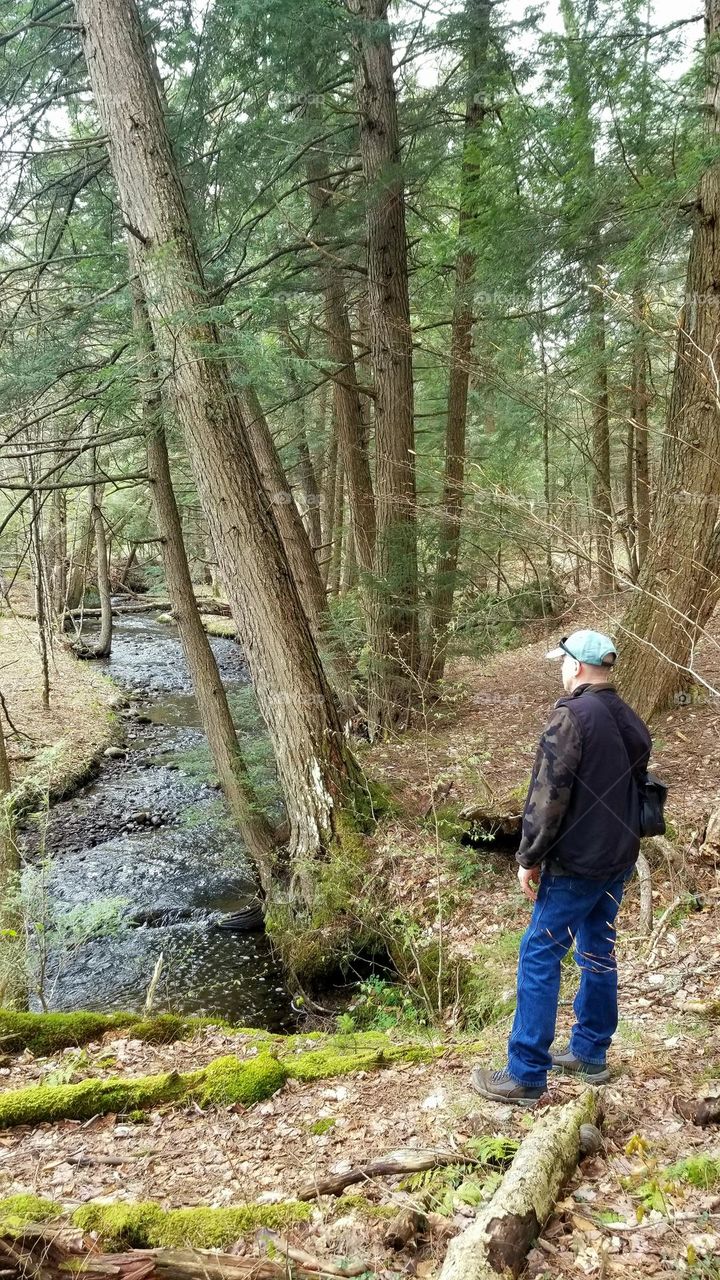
[{"x": 592, "y": 647}]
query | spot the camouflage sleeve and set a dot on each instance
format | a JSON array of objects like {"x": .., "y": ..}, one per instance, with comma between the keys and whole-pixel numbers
[{"x": 556, "y": 762}]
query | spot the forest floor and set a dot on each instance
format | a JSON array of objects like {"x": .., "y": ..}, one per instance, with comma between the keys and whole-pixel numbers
[
  {"x": 648, "y": 1204},
  {"x": 58, "y": 746}
]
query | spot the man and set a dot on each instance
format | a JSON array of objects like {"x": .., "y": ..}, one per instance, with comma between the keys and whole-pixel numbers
[{"x": 580, "y": 841}]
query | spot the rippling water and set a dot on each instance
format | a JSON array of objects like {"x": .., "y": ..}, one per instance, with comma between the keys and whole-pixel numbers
[{"x": 152, "y": 830}]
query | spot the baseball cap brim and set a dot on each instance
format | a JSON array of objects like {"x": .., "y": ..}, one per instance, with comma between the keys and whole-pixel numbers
[{"x": 556, "y": 653}]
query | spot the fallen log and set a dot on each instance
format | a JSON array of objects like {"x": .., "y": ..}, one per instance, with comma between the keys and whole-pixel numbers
[
  {"x": 55, "y": 1253},
  {"x": 407, "y": 1160},
  {"x": 498, "y": 1241},
  {"x": 149, "y": 606}
]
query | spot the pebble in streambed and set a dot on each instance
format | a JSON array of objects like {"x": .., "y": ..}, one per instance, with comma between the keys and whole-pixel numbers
[{"x": 156, "y": 836}]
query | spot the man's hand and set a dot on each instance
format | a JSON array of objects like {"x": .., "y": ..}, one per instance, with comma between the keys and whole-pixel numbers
[{"x": 529, "y": 878}]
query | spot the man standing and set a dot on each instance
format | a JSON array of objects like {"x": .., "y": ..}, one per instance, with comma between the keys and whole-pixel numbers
[{"x": 580, "y": 841}]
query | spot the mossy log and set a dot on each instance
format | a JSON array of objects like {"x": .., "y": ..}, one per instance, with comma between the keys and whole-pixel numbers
[
  {"x": 47, "y": 1033},
  {"x": 224, "y": 1082},
  {"x": 498, "y": 1241}
]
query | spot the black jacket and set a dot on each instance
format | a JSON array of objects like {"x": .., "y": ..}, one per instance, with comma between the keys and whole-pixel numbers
[{"x": 581, "y": 812}]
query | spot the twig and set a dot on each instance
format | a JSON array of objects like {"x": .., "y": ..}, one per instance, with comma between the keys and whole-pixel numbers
[
  {"x": 405, "y": 1161},
  {"x": 662, "y": 926},
  {"x": 646, "y": 904}
]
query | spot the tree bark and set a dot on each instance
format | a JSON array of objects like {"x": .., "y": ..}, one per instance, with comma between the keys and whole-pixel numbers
[
  {"x": 102, "y": 646},
  {"x": 306, "y": 468},
  {"x": 328, "y": 503},
  {"x": 210, "y": 695},
  {"x": 394, "y": 622},
  {"x": 677, "y": 578},
  {"x": 591, "y": 255},
  {"x": 293, "y": 533},
  {"x": 338, "y": 530},
  {"x": 451, "y": 503},
  {"x": 348, "y": 407},
  {"x": 640, "y": 403},
  {"x": 317, "y": 772},
  {"x": 601, "y": 492}
]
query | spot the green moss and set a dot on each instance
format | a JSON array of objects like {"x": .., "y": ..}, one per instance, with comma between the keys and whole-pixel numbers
[
  {"x": 319, "y": 1064},
  {"x": 38, "y": 1103},
  {"x": 216, "y": 625},
  {"x": 323, "y": 1125},
  {"x": 226, "y": 1081},
  {"x": 17, "y": 1211},
  {"x": 47, "y": 1033},
  {"x": 229, "y": 1080},
  {"x": 448, "y": 823},
  {"x": 361, "y": 1205},
  {"x": 147, "y": 1226},
  {"x": 371, "y": 802}
]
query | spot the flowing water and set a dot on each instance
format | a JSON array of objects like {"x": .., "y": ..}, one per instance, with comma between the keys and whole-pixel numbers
[{"x": 150, "y": 832}]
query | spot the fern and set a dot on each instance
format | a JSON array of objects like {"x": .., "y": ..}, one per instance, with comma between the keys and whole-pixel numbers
[{"x": 493, "y": 1152}]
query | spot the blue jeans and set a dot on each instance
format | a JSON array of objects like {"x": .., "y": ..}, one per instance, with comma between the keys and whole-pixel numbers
[{"x": 567, "y": 909}]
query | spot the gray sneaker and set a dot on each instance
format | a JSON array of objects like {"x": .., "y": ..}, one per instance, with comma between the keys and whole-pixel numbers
[
  {"x": 572, "y": 1066},
  {"x": 499, "y": 1086}
]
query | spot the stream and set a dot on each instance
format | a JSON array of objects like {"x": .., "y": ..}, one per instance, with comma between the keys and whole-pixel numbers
[{"x": 150, "y": 832}]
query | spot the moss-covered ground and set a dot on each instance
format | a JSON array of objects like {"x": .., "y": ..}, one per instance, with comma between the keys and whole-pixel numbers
[{"x": 225, "y": 1081}]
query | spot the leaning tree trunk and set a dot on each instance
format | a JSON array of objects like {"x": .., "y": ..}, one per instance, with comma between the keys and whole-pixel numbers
[
  {"x": 293, "y": 534},
  {"x": 660, "y": 627},
  {"x": 478, "y": 18},
  {"x": 217, "y": 722},
  {"x": 394, "y": 623},
  {"x": 317, "y": 773},
  {"x": 210, "y": 695},
  {"x": 306, "y": 468}
]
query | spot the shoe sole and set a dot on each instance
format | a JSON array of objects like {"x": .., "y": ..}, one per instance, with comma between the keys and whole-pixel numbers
[{"x": 593, "y": 1077}]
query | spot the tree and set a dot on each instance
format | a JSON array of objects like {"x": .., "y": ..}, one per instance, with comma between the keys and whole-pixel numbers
[
  {"x": 394, "y": 623},
  {"x": 317, "y": 772},
  {"x": 478, "y": 21},
  {"x": 660, "y": 627},
  {"x": 585, "y": 173},
  {"x": 212, "y": 703}
]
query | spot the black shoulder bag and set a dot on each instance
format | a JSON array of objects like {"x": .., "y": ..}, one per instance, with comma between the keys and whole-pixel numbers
[{"x": 653, "y": 794}]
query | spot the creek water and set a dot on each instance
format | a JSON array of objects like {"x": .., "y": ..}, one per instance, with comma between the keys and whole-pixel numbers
[{"x": 150, "y": 831}]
